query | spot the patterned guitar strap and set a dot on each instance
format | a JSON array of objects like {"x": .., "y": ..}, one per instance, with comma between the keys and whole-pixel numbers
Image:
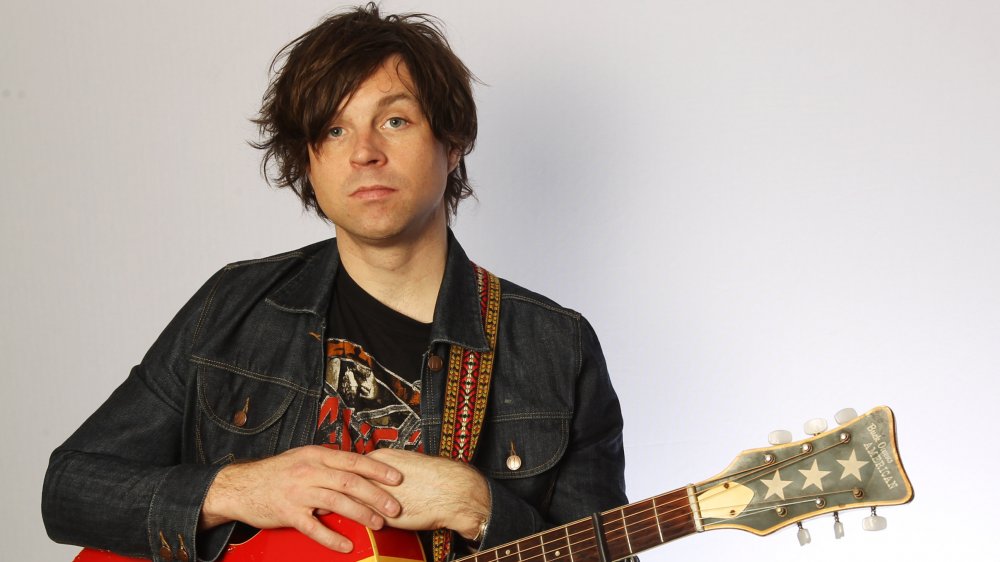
[{"x": 465, "y": 393}]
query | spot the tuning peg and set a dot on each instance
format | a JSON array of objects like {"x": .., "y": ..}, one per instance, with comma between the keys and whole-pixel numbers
[
  {"x": 815, "y": 426},
  {"x": 845, "y": 415},
  {"x": 779, "y": 437},
  {"x": 838, "y": 527},
  {"x": 873, "y": 522},
  {"x": 803, "y": 535}
]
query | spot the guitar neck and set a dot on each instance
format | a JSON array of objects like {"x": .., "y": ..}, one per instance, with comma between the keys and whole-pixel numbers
[{"x": 625, "y": 530}]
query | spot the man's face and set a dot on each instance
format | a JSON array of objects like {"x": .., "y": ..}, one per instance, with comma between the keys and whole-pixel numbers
[
  {"x": 366, "y": 384},
  {"x": 380, "y": 173},
  {"x": 348, "y": 385}
]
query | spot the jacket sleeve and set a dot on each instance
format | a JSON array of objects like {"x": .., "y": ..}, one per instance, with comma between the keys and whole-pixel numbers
[
  {"x": 590, "y": 475},
  {"x": 119, "y": 482}
]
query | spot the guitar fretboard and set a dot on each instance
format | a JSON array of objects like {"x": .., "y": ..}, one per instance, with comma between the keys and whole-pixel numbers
[{"x": 628, "y": 530}]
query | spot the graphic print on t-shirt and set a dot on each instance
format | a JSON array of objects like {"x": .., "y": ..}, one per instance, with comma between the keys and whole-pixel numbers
[{"x": 366, "y": 406}]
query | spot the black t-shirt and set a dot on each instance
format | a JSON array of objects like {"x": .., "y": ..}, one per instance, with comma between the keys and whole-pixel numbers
[{"x": 371, "y": 398}]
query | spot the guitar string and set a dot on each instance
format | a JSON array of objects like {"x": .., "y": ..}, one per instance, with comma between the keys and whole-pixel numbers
[{"x": 755, "y": 471}]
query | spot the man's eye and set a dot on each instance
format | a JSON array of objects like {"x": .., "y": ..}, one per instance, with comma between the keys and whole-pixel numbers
[
  {"x": 336, "y": 132},
  {"x": 395, "y": 122}
]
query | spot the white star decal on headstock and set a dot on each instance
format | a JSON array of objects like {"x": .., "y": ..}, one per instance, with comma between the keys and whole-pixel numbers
[
  {"x": 775, "y": 486},
  {"x": 814, "y": 476},
  {"x": 852, "y": 466}
]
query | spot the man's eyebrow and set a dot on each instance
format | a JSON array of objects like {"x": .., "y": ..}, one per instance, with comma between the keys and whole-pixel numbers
[{"x": 389, "y": 100}]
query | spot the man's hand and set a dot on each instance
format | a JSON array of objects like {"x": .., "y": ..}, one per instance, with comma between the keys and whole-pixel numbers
[
  {"x": 436, "y": 493},
  {"x": 290, "y": 489}
]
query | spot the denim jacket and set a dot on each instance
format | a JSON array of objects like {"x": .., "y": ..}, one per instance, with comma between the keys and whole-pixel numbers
[{"x": 135, "y": 474}]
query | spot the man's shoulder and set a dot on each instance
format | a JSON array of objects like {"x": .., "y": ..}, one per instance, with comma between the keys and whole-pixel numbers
[
  {"x": 513, "y": 294},
  {"x": 284, "y": 260},
  {"x": 293, "y": 278}
]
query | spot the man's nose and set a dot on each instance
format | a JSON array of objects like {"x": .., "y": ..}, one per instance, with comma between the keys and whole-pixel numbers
[{"x": 367, "y": 149}]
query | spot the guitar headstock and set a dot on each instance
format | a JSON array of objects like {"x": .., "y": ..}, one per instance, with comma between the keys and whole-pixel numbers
[{"x": 852, "y": 466}]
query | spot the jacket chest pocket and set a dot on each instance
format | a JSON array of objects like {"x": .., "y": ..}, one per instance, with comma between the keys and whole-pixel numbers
[
  {"x": 522, "y": 452},
  {"x": 239, "y": 417}
]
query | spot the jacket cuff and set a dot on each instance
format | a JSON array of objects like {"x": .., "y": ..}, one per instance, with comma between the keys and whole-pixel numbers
[
  {"x": 511, "y": 517},
  {"x": 211, "y": 543},
  {"x": 172, "y": 524}
]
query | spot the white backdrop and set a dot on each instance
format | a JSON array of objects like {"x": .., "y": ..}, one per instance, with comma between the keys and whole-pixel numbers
[{"x": 769, "y": 210}]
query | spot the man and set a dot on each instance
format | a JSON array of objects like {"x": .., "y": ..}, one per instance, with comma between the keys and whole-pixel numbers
[{"x": 352, "y": 343}]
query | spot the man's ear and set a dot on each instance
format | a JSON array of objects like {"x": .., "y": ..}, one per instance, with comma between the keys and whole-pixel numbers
[
  {"x": 454, "y": 157},
  {"x": 311, "y": 153}
]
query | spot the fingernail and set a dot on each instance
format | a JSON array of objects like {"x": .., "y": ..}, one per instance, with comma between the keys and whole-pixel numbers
[
  {"x": 391, "y": 507},
  {"x": 376, "y": 522},
  {"x": 395, "y": 476},
  {"x": 345, "y": 546}
]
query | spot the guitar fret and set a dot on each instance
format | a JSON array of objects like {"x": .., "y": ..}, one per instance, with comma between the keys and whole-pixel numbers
[
  {"x": 628, "y": 539},
  {"x": 581, "y": 541},
  {"x": 569, "y": 545},
  {"x": 656, "y": 517},
  {"x": 530, "y": 549},
  {"x": 554, "y": 546},
  {"x": 486, "y": 556}
]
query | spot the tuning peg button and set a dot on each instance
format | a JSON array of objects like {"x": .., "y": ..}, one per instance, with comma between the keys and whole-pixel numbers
[
  {"x": 838, "y": 527},
  {"x": 803, "y": 535},
  {"x": 873, "y": 522},
  {"x": 845, "y": 415},
  {"x": 779, "y": 437},
  {"x": 815, "y": 426}
]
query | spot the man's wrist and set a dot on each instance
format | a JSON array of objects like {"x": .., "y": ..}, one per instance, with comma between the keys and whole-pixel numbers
[
  {"x": 212, "y": 509},
  {"x": 474, "y": 518},
  {"x": 473, "y": 529},
  {"x": 478, "y": 540}
]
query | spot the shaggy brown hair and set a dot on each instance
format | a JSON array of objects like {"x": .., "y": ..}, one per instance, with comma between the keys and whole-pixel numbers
[{"x": 312, "y": 75}]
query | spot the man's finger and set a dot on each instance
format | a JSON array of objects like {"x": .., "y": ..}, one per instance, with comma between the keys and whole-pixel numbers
[
  {"x": 360, "y": 465},
  {"x": 317, "y": 531},
  {"x": 349, "y": 486},
  {"x": 329, "y": 501}
]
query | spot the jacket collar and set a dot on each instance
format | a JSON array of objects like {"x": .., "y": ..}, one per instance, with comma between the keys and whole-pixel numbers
[{"x": 457, "y": 313}]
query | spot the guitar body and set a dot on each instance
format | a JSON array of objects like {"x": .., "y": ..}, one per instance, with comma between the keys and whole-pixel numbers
[{"x": 276, "y": 545}]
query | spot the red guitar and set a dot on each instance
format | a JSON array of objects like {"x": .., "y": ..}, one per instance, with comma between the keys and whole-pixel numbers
[{"x": 762, "y": 490}]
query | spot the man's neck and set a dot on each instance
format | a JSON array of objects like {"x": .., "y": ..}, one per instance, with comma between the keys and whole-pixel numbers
[{"x": 404, "y": 276}]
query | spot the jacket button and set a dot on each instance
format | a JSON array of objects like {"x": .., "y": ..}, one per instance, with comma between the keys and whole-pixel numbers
[
  {"x": 513, "y": 461},
  {"x": 240, "y": 417},
  {"x": 182, "y": 553},
  {"x": 165, "y": 552},
  {"x": 435, "y": 363}
]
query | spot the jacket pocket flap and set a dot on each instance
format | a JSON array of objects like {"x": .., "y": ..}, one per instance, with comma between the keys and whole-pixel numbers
[
  {"x": 521, "y": 446},
  {"x": 240, "y": 403}
]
